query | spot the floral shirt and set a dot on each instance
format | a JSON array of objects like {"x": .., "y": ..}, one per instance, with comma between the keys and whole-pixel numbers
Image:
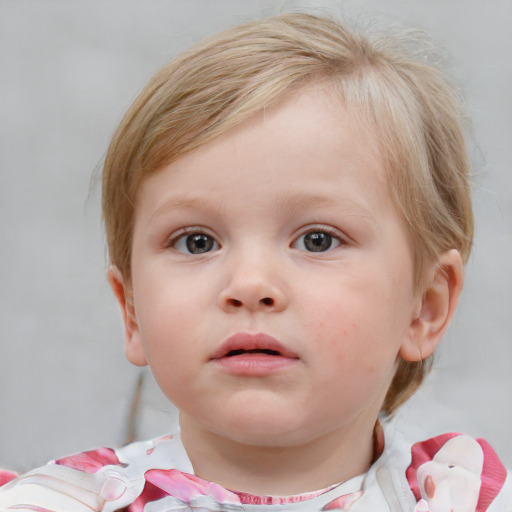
[{"x": 448, "y": 473}]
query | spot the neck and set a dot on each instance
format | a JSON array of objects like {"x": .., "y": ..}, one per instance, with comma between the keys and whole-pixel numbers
[{"x": 278, "y": 470}]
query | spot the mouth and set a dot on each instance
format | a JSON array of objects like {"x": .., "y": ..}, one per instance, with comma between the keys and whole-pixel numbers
[
  {"x": 246, "y": 343},
  {"x": 256, "y": 354},
  {"x": 240, "y": 351}
]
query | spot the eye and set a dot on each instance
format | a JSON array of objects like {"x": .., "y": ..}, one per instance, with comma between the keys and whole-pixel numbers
[
  {"x": 194, "y": 243},
  {"x": 317, "y": 241}
]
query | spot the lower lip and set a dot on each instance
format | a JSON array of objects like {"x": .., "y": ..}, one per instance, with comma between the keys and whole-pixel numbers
[{"x": 255, "y": 364}]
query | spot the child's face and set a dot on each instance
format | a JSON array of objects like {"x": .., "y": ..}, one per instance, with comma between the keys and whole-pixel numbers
[{"x": 273, "y": 278}]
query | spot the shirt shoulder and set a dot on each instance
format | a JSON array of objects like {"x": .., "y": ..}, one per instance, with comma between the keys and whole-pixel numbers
[
  {"x": 104, "y": 479},
  {"x": 6, "y": 476},
  {"x": 451, "y": 471}
]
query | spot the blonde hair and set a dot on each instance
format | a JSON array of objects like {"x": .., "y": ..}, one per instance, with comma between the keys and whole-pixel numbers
[{"x": 385, "y": 82}]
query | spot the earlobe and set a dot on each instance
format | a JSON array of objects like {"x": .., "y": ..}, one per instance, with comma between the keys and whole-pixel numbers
[
  {"x": 132, "y": 343},
  {"x": 439, "y": 300}
]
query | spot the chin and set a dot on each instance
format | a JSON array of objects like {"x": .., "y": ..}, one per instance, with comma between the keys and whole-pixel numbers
[
  {"x": 257, "y": 427},
  {"x": 266, "y": 431},
  {"x": 258, "y": 419},
  {"x": 267, "y": 439}
]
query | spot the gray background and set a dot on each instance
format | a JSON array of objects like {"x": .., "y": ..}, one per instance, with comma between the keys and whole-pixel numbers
[{"x": 68, "y": 71}]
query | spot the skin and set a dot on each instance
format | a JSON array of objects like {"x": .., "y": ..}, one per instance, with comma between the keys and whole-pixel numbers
[{"x": 346, "y": 314}]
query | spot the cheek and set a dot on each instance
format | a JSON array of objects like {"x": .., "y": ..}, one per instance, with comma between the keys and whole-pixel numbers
[
  {"x": 163, "y": 324},
  {"x": 350, "y": 319},
  {"x": 163, "y": 298},
  {"x": 355, "y": 332}
]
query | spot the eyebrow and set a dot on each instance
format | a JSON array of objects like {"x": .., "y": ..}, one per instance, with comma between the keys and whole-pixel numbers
[
  {"x": 288, "y": 202},
  {"x": 177, "y": 203},
  {"x": 298, "y": 202}
]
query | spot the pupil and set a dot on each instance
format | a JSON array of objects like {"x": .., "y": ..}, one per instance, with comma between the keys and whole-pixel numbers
[
  {"x": 317, "y": 242},
  {"x": 197, "y": 244}
]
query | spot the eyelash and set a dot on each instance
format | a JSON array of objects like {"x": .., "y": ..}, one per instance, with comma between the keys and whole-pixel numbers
[
  {"x": 182, "y": 237},
  {"x": 331, "y": 232}
]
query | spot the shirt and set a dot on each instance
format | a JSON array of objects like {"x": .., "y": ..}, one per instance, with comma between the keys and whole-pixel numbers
[{"x": 451, "y": 472}]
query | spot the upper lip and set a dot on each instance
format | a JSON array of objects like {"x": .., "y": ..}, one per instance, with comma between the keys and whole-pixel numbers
[{"x": 247, "y": 341}]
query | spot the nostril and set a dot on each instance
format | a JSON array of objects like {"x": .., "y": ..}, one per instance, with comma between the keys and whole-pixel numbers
[{"x": 236, "y": 303}]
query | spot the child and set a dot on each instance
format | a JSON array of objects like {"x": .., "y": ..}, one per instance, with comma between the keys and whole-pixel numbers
[{"x": 287, "y": 212}]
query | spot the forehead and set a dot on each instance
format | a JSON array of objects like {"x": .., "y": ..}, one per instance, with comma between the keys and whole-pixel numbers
[{"x": 298, "y": 149}]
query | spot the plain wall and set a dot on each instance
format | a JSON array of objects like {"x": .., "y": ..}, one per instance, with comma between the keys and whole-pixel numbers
[{"x": 69, "y": 70}]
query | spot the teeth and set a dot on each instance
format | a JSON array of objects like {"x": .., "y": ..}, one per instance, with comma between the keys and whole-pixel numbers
[{"x": 237, "y": 352}]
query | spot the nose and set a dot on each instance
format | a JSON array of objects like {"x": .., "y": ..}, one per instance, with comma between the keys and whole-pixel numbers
[{"x": 253, "y": 286}]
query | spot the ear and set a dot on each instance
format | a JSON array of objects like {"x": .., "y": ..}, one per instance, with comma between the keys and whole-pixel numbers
[
  {"x": 436, "y": 306},
  {"x": 132, "y": 342}
]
